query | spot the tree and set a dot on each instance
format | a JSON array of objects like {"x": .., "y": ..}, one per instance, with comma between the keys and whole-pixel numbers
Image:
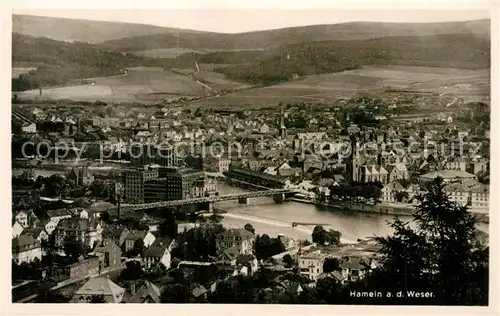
[
  {"x": 323, "y": 237},
  {"x": 132, "y": 271},
  {"x": 138, "y": 248},
  {"x": 265, "y": 247},
  {"x": 334, "y": 237},
  {"x": 319, "y": 235},
  {"x": 106, "y": 217},
  {"x": 439, "y": 252},
  {"x": 400, "y": 196},
  {"x": 249, "y": 228},
  {"x": 331, "y": 264},
  {"x": 73, "y": 247},
  {"x": 96, "y": 299},
  {"x": 288, "y": 261},
  {"x": 175, "y": 293}
]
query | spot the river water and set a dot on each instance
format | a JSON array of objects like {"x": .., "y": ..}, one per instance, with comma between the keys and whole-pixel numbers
[
  {"x": 272, "y": 218},
  {"x": 268, "y": 217}
]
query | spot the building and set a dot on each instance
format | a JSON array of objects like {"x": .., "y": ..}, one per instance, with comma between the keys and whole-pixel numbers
[
  {"x": 29, "y": 128},
  {"x": 81, "y": 176},
  {"x": 241, "y": 239},
  {"x": 146, "y": 154},
  {"x": 158, "y": 252},
  {"x": 448, "y": 176},
  {"x": 148, "y": 293},
  {"x": 397, "y": 171},
  {"x": 181, "y": 183},
  {"x": 25, "y": 248},
  {"x": 372, "y": 173},
  {"x": 203, "y": 187},
  {"x": 147, "y": 238},
  {"x": 311, "y": 265},
  {"x": 109, "y": 254},
  {"x": 74, "y": 228},
  {"x": 38, "y": 233},
  {"x": 22, "y": 218},
  {"x": 99, "y": 286},
  {"x": 56, "y": 215},
  {"x": 85, "y": 267},
  {"x": 17, "y": 229},
  {"x": 116, "y": 234},
  {"x": 134, "y": 183},
  {"x": 471, "y": 193}
]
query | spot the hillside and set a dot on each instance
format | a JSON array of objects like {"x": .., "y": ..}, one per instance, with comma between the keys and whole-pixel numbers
[
  {"x": 82, "y": 30},
  {"x": 60, "y": 63},
  {"x": 275, "y": 38},
  {"x": 448, "y": 51}
]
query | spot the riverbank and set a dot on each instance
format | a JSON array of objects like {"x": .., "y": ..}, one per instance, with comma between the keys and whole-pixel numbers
[
  {"x": 275, "y": 227},
  {"x": 387, "y": 209}
]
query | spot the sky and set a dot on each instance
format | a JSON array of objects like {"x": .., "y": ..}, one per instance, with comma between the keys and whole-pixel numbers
[{"x": 245, "y": 20}]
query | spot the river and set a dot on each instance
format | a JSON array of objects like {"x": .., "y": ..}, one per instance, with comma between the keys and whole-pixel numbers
[
  {"x": 272, "y": 218},
  {"x": 268, "y": 217}
]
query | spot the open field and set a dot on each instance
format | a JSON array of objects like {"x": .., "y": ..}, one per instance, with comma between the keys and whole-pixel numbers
[
  {"x": 473, "y": 85},
  {"x": 167, "y": 52},
  {"x": 144, "y": 84},
  {"x": 177, "y": 51}
]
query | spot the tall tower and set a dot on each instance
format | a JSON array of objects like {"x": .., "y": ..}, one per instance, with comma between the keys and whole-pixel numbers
[
  {"x": 282, "y": 124},
  {"x": 354, "y": 161}
]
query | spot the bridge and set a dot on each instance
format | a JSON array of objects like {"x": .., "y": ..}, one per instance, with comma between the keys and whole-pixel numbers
[{"x": 278, "y": 194}]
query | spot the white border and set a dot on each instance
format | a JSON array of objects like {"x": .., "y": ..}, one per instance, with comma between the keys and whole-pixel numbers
[{"x": 127, "y": 309}]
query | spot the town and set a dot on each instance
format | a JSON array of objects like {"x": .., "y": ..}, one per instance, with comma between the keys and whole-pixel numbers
[{"x": 121, "y": 204}]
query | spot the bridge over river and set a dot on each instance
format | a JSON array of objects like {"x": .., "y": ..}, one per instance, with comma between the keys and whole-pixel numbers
[{"x": 279, "y": 195}]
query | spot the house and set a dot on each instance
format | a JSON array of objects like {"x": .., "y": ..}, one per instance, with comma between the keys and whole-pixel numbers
[
  {"x": 199, "y": 292},
  {"x": 17, "y": 229},
  {"x": 83, "y": 268},
  {"x": 25, "y": 248},
  {"x": 148, "y": 293},
  {"x": 311, "y": 265},
  {"x": 22, "y": 218},
  {"x": 397, "y": 171},
  {"x": 38, "y": 233},
  {"x": 147, "y": 237},
  {"x": 242, "y": 239},
  {"x": 94, "y": 234},
  {"x": 390, "y": 191},
  {"x": 109, "y": 255},
  {"x": 74, "y": 228},
  {"x": 57, "y": 215},
  {"x": 29, "y": 128},
  {"x": 355, "y": 268},
  {"x": 99, "y": 286},
  {"x": 116, "y": 234},
  {"x": 337, "y": 276},
  {"x": 49, "y": 225},
  {"x": 264, "y": 129},
  {"x": 159, "y": 251},
  {"x": 448, "y": 175}
]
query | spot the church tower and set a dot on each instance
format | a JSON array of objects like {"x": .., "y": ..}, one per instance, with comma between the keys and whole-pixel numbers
[
  {"x": 354, "y": 161},
  {"x": 282, "y": 124}
]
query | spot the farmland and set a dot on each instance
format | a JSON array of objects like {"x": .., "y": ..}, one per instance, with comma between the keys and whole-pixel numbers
[
  {"x": 142, "y": 84},
  {"x": 16, "y": 71},
  {"x": 471, "y": 84}
]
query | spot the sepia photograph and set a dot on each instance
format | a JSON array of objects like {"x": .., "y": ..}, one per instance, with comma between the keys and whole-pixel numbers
[{"x": 243, "y": 156}]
